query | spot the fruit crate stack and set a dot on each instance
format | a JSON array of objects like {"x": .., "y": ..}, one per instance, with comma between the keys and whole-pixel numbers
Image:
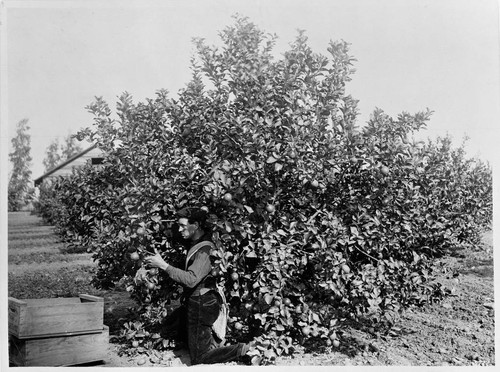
[{"x": 57, "y": 331}]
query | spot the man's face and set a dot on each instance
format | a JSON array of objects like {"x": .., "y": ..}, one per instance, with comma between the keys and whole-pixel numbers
[{"x": 187, "y": 229}]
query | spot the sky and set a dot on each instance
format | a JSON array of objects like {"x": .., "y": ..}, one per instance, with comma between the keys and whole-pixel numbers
[{"x": 411, "y": 55}]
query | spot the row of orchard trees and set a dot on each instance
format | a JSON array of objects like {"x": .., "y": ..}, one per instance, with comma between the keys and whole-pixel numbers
[
  {"x": 314, "y": 220},
  {"x": 20, "y": 192}
]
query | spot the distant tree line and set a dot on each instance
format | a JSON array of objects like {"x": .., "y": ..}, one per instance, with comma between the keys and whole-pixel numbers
[
  {"x": 58, "y": 152},
  {"x": 20, "y": 189}
]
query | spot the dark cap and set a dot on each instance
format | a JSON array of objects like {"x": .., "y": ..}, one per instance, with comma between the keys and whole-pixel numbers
[{"x": 194, "y": 215}]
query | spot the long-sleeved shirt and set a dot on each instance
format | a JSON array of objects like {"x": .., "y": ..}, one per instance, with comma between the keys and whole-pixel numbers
[{"x": 198, "y": 268}]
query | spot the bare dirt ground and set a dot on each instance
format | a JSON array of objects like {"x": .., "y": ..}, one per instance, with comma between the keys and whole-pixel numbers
[{"x": 457, "y": 332}]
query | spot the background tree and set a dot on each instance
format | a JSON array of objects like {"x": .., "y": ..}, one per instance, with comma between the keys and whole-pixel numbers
[
  {"x": 52, "y": 155},
  {"x": 70, "y": 147},
  {"x": 19, "y": 190},
  {"x": 57, "y": 152}
]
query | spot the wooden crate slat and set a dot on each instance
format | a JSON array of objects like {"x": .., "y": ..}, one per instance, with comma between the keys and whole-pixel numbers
[
  {"x": 39, "y": 318},
  {"x": 17, "y": 310},
  {"x": 59, "y": 351},
  {"x": 62, "y": 318},
  {"x": 87, "y": 297},
  {"x": 17, "y": 302},
  {"x": 34, "y": 302},
  {"x": 61, "y": 334}
]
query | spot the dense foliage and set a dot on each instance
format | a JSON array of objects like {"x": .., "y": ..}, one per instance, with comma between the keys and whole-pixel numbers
[
  {"x": 19, "y": 191},
  {"x": 314, "y": 220}
]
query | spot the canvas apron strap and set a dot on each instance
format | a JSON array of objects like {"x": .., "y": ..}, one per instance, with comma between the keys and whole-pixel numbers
[{"x": 196, "y": 248}]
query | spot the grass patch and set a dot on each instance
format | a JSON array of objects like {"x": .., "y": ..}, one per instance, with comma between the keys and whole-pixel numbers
[
  {"x": 27, "y": 243},
  {"x": 43, "y": 257},
  {"x": 65, "y": 282}
]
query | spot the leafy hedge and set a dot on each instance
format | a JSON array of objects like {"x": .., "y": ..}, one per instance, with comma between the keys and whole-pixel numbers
[{"x": 315, "y": 220}]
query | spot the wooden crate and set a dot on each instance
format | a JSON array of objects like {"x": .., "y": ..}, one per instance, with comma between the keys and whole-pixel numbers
[
  {"x": 38, "y": 318},
  {"x": 59, "y": 351}
]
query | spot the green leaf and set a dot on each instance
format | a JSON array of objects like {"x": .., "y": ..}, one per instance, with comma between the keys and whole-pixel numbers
[
  {"x": 354, "y": 230},
  {"x": 261, "y": 317},
  {"x": 268, "y": 298}
]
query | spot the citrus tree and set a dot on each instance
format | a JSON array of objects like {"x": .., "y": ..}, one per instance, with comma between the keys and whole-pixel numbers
[{"x": 315, "y": 220}]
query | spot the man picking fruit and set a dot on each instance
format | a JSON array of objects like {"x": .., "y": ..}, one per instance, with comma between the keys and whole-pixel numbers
[{"x": 201, "y": 299}]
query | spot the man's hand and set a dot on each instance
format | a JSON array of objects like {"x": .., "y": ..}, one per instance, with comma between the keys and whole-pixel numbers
[{"x": 156, "y": 261}]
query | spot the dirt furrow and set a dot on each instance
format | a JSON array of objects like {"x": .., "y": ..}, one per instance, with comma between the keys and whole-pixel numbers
[{"x": 76, "y": 261}]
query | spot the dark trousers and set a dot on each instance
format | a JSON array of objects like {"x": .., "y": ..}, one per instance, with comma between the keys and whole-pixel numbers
[{"x": 195, "y": 322}]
